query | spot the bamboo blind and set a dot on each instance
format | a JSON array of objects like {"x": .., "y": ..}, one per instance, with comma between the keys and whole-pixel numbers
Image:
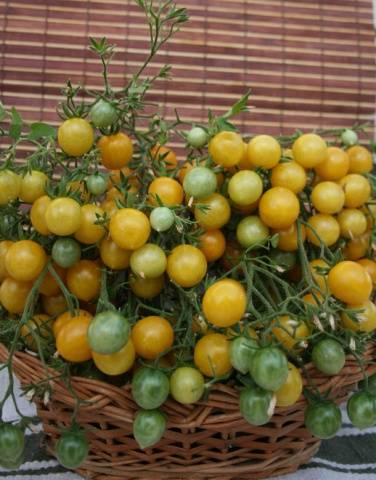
[{"x": 309, "y": 63}]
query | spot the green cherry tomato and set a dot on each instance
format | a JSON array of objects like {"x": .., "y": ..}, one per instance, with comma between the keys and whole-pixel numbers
[
  {"x": 103, "y": 114},
  {"x": 13, "y": 463},
  {"x": 285, "y": 260},
  {"x": 371, "y": 384},
  {"x": 108, "y": 332},
  {"x": 361, "y": 409},
  {"x": 256, "y": 405},
  {"x": 187, "y": 385},
  {"x": 149, "y": 261},
  {"x": 269, "y": 368},
  {"x": 323, "y": 419},
  {"x": 161, "y": 219},
  {"x": 328, "y": 356},
  {"x": 12, "y": 441},
  {"x": 242, "y": 351},
  {"x": 96, "y": 184},
  {"x": 72, "y": 449},
  {"x": 197, "y": 137},
  {"x": 148, "y": 427},
  {"x": 150, "y": 388},
  {"x": 200, "y": 182},
  {"x": 251, "y": 231},
  {"x": 349, "y": 137},
  {"x": 66, "y": 252}
]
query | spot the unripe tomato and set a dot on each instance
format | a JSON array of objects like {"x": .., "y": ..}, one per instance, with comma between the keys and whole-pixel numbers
[
  {"x": 320, "y": 278},
  {"x": 291, "y": 390},
  {"x": 40, "y": 324},
  {"x": 161, "y": 219},
  {"x": 269, "y": 368},
  {"x": 38, "y": 214},
  {"x": 148, "y": 427},
  {"x": 335, "y": 166},
  {"x": 288, "y": 238},
  {"x": 113, "y": 256},
  {"x": 63, "y": 216},
  {"x": 64, "y": 318},
  {"x": 352, "y": 223},
  {"x": 25, "y": 260},
  {"x": 361, "y": 409},
  {"x": 89, "y": 232},
  {"x": 108, "y": 332},
  {"x": 251, "y": 231},
  {"x": 4, "y": 247},
  {"x": 32, "y": 186},
  {"x": 279, "y": 207},
  {"x": 149, "y": 261},
  {"x": 116, "y": 150},
  {"x": 323, "y": 419},
  {"x": 75, "y": 137},
  {"x": 289, "y": 175},
  {"x": 256, "y": 405},
  {"x": 10, "y": 186},
  {"x": 264, "y": 151},
  {"x": 361, "y": 160},
  {"x": 12, "y": 441},
  {"x": 152, "y": 336},
  {"x": 212, "y": 355},
  {"x": 167, "y": 190},
  {"x": 226, "y": 149},
  {"x": 224, "y": 303},
  {"x": 328, "y": 356},
  {"x": 164, "y": 154},
  {"x": 84, "y": 280},
  {"x": 72, "y": 449},
  {"x": 197, "y": 137},
  {"x": 186, "y": 265},
  {"x": 200, "y": 182},
  {"x": 242, "y": 351},
  {"x": 212, "y": 245},
  {"x": 150, "y": 388},
  {"x": 349, "y": 137},
  {"x": 129, "y": 228},
  {"x": 187, "y": 385},
  {"x": 366, "y": 318},
  {"x": 245, "y": 187},
  {"x": 71, "y": 341},
  {"x": 309, "y": 150},
  {"x": 66, "y": 252},
  {"x": 146, "y": 287},
  {"x": 116, "y": 363},
  {"x": 357, "y": 247},
  {"x": 290, "y": 331},
  {"x": 50, "y": 286},
  {"x": 367, "y": 263},
  {"x": 349, "y": 282},
  {"x": 357, "y": 190},
  {"x": 216, "y": 213},
  {"x": 96, "y": 184},
  {"x": 103, "y": 114},
  {"x": 328, "y": 197},
  {"x": 325, "y": 229},
  {"x": 54, "y": 305}
]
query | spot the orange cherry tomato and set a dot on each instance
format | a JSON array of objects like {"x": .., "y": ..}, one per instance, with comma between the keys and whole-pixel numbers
[
  {"x": 109, "y": 206},
  {"x": 212, "y": 355},
  {"x": 290, "y": 331},
  {"x": 212, "y": 245},
  {"x": 129, "y": 228},
  {"x": 357, "y": 247},
  {"x": 186, "y": 265},
  {"x": 116, "y": 150},
  {"x": 89, "y": 231},
  {"x": 151, "y": 336},
  {"x": 163, "y": 154},
  {"x": 54, "y": 305},
  {"x": 71, "y": 341},
  {"x": 113, "y": 256},
  {"x": 49, "y": 286},
  {"x": 66, "y": 317},
  {"x": 146, "y": 287},
  {"x": 335, "y": 166},
  {"x": 13, "y": 294},
  {"x": 168, "y": 190},
  {"x": 314, "y": 299},
  {"x": 40, "y": 325},
  {"x": 84, "y": 280},
  {"x": 116, "y": 363},
  {"x": 288, "y": 238},
  {"x": 25, "y": 260}
]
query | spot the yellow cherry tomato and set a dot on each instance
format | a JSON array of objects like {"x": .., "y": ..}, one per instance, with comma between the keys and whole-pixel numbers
[
  {"x": 168, "y": 190},
  {"x": 151, "y": 336},
  {"x": 357, "y": 190},
  {"x": 291, "y": 390},
  {"x": 370, "y": 267},
  {"x": 186, "y": 265},
  {"x": 360, "y": 159},
  {"x": 38, "y": 214},
  {"x": 279, "y": 208},
  {"x": 160, "y": 153},
  {"x": 10, "y": 186},
  {"x": 25, "y": 260},
  {"x": 264, "y": 151},
  {"x": 84, "y": 280},
  {"x": 40, "y": 326},
  {"x": 335, "y": 166},
  {"x": 309, "y": 150},
  {"x": 226, "y": 149},
  {"x": 63, "y": 216},
  {"x": 352, "y": 222},
  {"x": 357, "y": 247},
  {"x": 89, "y": 231},
  {"x": 13, "y": 294},
  {"x": 66, "y": 317},
  {"x": 349, "y": 282},
  {"x": 325, "y": 229},
  {"x": 320, "y": 278},
  {"x": 72, "y": 343},
  {"x": 224, "y": 303},
  {"x": 113, "y": 256},
  {"x": 116, "y": 363},
  {"x": 366, "y": 318},
  {"x": 50, "y": 286},
  {"x": 290, "y": 331},
  {"x": 32, "y": 186},
  {"x": 129, "y": 228},
  {"x": 146, "y": 287},
  {"x": 213, "y": 212},
  {"x": 288, "y": 238},
  {"x": 328, "y": 197},
  {"x": 212, "y": 355},
  {"x": 289, "y": 175},
  {"x": 75, "y": 136},
  {"x": 4, "y": 247}
]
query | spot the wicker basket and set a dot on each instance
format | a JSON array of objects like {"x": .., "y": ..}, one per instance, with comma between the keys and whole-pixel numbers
[{"x": 202, "y": 441}]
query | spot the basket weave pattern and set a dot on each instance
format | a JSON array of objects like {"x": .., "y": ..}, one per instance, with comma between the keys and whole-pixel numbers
[{"x": 202, "y": 441}]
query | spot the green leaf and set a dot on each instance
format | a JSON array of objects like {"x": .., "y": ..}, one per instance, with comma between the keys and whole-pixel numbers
[
  {"x": 15, "y": 125},
  {"x": 274, "y": 240},
  {"x": 225, "y": 125},
  {"x": 239, "y": 107},
  {"x": 40, "y": 130},
  {"x": 3, "y": 113}
]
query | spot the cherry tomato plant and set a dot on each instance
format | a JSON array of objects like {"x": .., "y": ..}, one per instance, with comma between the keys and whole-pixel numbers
[{"x": 238, "y": 258}]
